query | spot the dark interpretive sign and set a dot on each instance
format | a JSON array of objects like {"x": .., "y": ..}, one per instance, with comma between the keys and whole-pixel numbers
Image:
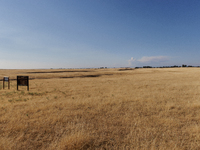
[
  {"x": 6, "y": 79},
  {"x": 23, "y": 81}
]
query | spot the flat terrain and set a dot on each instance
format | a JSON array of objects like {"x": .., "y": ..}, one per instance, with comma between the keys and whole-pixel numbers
[{"x": 101, "y": 109}]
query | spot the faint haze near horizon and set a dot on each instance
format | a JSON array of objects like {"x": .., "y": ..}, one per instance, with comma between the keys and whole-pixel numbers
[{"x": 100, "y": 33}]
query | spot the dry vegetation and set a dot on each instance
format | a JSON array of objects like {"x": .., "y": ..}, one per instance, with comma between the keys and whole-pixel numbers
[{"x": 101, "y": 109}]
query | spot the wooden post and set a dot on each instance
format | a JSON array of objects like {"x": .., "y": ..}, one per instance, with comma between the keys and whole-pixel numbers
[
  {"x": 3, "y": 83},
  {"x": 17, "y": 83},
  {"x": 8, "y": 83},
  {"x": 28, "y": 83}
]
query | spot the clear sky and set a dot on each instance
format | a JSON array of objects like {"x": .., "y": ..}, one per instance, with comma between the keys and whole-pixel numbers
[{"x": 98, "y": 33}]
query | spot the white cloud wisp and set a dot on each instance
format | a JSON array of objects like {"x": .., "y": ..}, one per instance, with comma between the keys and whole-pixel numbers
[
  {"x": 148, "y": 60},
  {"x": 130, "y": 61}
]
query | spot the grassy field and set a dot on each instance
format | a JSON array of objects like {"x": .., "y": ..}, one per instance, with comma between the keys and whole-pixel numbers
[{"x": 101, "y": 109}]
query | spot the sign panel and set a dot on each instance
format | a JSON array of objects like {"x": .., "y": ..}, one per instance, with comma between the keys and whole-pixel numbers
[
  {"x": 6, "y": 79},
  {"x": 23, "y": 81}
]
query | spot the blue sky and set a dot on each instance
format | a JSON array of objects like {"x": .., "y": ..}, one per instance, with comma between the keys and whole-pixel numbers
[{"x": 98, "y": 33}]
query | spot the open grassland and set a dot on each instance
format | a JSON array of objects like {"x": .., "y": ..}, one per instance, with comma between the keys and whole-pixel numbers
[{"x": 101, "y": 109}]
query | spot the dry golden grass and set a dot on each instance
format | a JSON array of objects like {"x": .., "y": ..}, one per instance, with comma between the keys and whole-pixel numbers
[{"x": 102, "y": 109}]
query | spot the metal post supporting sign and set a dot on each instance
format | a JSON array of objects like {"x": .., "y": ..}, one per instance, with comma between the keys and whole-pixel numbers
[
  {"x": 23, "y": 81},
  {"x": 6, "y": 79}
]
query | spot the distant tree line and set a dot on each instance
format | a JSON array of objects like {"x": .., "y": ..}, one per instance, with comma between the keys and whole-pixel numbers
[
  {"x": 129, "y": 68},
  {"x": 175, "y": 66}
]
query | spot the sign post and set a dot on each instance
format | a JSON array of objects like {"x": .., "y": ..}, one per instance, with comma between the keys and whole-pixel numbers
[
  {"x": 23, "y": 81},
  {"x": 6, "y": 79}
]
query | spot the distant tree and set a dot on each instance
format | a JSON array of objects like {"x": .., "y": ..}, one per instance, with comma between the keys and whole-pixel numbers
[
  {"x": 147, "y": 66},
  {"x": 184, "y": 65}
]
